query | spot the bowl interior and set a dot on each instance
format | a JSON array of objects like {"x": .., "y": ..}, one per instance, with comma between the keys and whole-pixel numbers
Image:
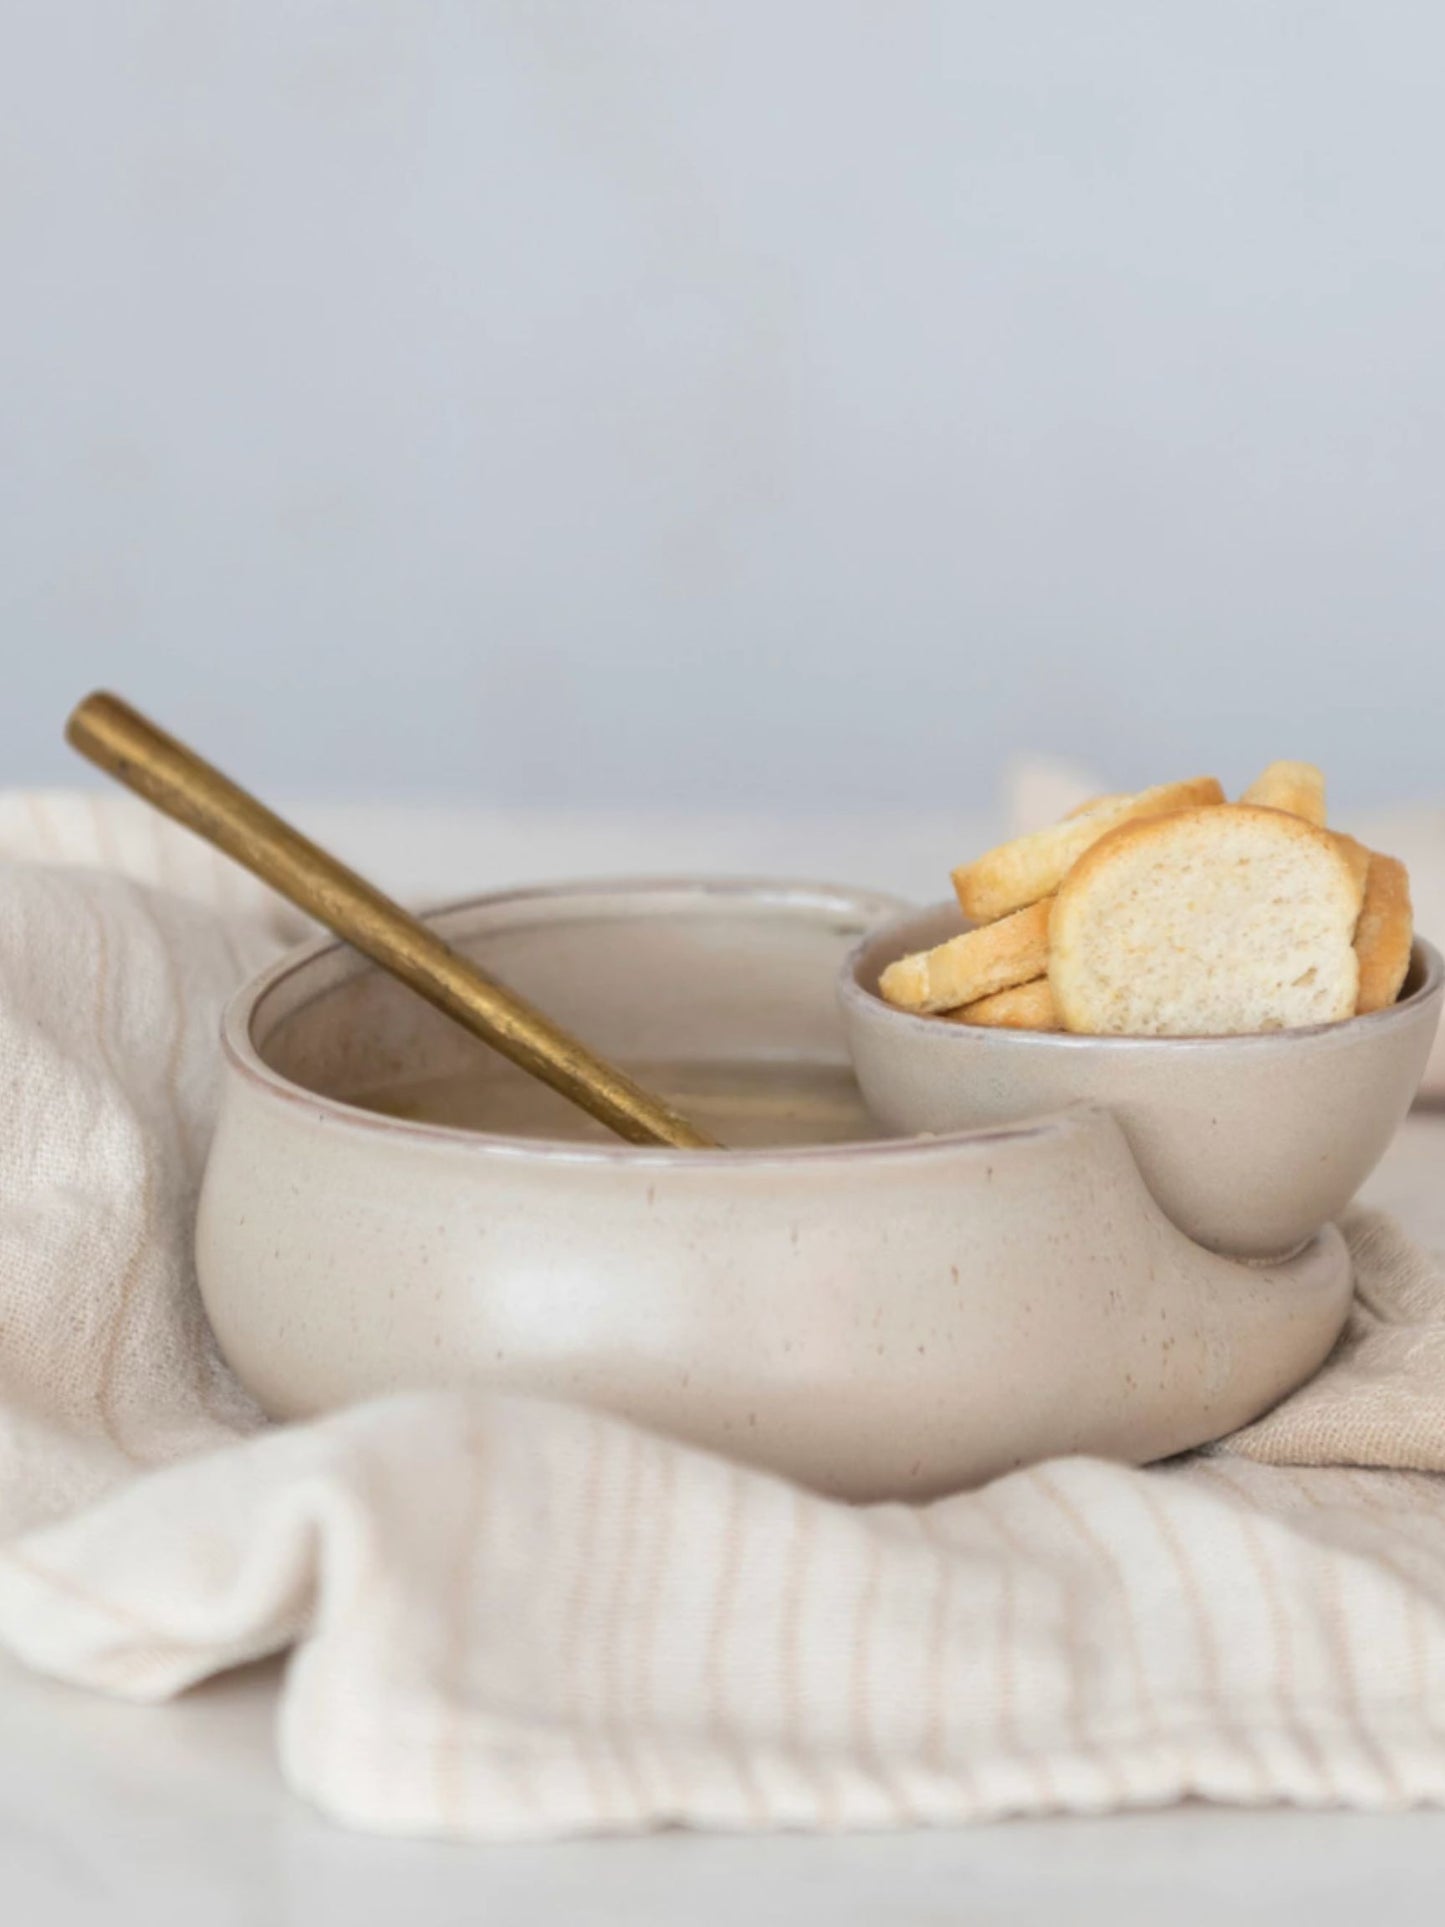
[{"x": 721, "y": 995}]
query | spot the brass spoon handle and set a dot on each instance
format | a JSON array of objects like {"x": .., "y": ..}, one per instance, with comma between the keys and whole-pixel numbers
[{"x": 119, "y": 740}]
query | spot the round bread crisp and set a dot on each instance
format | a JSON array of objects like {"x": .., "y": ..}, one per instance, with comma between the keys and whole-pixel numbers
[
  {"x": 1210, "y": 922},
  {"x": 1025, "y": 1007},
  {"x": 1296, "y": 788},
  {"x": 1094, "y": 803},
  {"x": 1032, "y": 867},
  {"x": 1012, "y": 951},
  {"x": 1384, "y": 934},
  {"x": 1357, "y": 858}
]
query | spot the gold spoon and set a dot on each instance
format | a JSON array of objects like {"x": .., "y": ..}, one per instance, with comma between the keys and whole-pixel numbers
[{"x": 119, "y": 740}]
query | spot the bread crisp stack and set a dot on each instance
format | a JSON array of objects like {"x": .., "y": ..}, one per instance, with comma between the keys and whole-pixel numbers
[{"x": 1172, "y": 912}]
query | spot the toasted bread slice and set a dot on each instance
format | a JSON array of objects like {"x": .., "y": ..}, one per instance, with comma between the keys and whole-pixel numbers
[
  {"x": 1358, "y": 859},
  {"x": 1025, "y": 1007},
  {"x": 975, "y": 965},
  {"x": 1296, "y": 788},
  {"x": 1384, "y": 934},
  {"x": 1032, "y": 867},
  {"x": 1094, "y": 803},
  {"x": 1208, "y": 922}
]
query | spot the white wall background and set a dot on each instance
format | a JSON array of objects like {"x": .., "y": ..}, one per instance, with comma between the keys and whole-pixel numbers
[{"x": 703, "y": 403}]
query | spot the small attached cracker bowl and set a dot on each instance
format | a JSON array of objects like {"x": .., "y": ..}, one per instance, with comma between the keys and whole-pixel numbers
[{"x": 1249, "y": 1144}]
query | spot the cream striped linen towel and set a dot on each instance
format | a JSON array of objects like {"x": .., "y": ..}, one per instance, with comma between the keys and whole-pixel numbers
[{"x": 511, "y": 1619}]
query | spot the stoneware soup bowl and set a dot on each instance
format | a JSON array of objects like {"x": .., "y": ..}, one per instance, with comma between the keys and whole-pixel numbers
[
  {"x": 1249, "y": 1144},
  {"x": 878, "y": 1318}
]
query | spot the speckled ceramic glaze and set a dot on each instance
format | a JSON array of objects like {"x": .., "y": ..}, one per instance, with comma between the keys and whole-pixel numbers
[
  {"x": 1249, "y": 1144},
  {"x": 883, "y": 1319}
]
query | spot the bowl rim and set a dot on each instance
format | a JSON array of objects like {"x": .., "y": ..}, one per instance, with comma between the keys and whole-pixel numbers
[
  {"x": 856, "y": 996},
  {"x": 242, "y": 1057}
]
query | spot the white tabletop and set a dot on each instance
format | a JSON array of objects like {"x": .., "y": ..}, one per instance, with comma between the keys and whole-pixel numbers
[{"x": 176, "y": 1816}]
